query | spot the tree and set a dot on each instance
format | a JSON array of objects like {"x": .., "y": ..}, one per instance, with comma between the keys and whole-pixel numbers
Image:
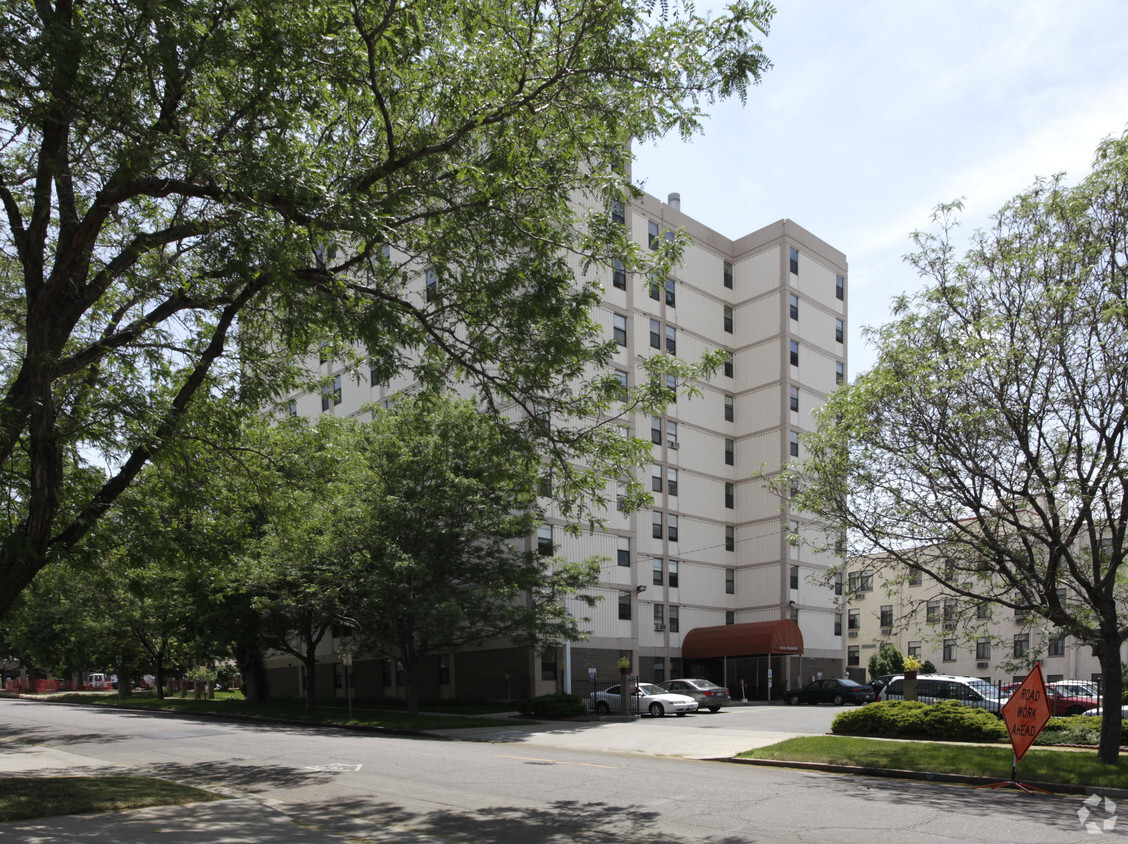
[
  {"x": 194, "y": 193},
  {"x": 887, "y": 660},
  {"x": 986, "y": 446},
  {"x": 416, "y": 541}
]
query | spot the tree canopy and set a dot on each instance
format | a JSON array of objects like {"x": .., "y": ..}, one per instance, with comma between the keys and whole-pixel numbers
[
  {"x": 986, "y": 446},
  {"x": 195, "y": 193}
]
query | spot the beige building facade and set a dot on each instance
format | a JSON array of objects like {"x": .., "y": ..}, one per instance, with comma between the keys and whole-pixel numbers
[{"x": 714, "y": 548}]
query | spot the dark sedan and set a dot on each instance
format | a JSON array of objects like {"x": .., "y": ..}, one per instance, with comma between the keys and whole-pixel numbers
[{"x": 838, "y": 692}]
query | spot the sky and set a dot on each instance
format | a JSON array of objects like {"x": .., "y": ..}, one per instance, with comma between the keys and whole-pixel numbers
[{"x": 875, "y": 111}]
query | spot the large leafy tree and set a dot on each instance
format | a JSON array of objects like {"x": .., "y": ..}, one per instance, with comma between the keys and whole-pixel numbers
[
  {"x": 418, "y": 540},
  {"x": 986, "y": 446},
  {"x": 194, "y": 192}
]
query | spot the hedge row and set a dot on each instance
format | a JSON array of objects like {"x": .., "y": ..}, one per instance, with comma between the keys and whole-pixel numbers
[
  {"x": 949, "y": 721},
  {"x": 553, "y": 706}
]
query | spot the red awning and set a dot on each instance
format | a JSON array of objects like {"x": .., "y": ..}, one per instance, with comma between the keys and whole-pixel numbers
[{"x": 753, "y": 639}]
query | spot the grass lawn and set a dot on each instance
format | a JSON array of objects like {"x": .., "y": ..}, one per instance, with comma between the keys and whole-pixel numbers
[
  {"x": 233, "y": 703},
  {"x": 1074, "y": 767},
  {"x": 40, "y": 797}
]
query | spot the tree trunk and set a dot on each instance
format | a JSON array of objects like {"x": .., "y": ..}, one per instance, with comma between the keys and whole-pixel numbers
[
  {"x": 1112, "y": 685},
  {"x": 410, "y": 677},
  {"x": 251, "y": 667},
  {"x": 310, "y": 662},
  {"x": 159, "y": 675},
  {"x": 124, "y": 687}
]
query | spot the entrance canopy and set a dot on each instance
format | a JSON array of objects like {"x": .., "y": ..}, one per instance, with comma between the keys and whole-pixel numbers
[{"x": 756, "y": 638}]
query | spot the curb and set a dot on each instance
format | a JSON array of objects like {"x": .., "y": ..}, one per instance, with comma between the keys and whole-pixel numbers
[{"x": 925, "y": 776}]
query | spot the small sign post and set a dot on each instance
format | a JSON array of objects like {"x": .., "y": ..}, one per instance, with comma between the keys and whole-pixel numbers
[{"x": 1025, "y": 714}]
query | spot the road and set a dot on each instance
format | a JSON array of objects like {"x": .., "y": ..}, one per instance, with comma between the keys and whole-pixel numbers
[{"x": 388, "y": 788}]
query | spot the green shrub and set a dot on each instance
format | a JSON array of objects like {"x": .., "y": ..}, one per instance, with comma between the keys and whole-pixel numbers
[
  {"x": 1076, "y": 729},
  {"x": 949, "y": 721},
  {"x": 553, "y": 706}
]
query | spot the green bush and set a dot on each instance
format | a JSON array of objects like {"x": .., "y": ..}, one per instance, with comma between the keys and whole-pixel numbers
[
  {"x": 948, "y": 721},
  {"x": 1075, "y": 729},
  {"x": 552, "y": 706}
]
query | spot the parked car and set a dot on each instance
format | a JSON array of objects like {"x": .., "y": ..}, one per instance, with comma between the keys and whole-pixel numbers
[
  {"x": 647, "y": 698},
  {"x": 933, "y": 688},
  {"x": 1061, "y": 700},
  {"x": 837, "y": 691},
  {"x": 707, "y": 693},
  {"x": 1080, "y": 688},
  {"x": 879, "y": 683},
  {"x": 1097, "y": 711}
]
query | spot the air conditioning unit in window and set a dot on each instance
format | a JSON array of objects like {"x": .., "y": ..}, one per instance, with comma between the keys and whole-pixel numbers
[
  {"x": 659, "y": 626},
  {"x": 886, "y": 631},
  {"x": 981, "y": 664},
  {"x": 853, "y": 634},
  {"x": 860, "y": 596},
  {"x": 672, "y": 444},
  {"x": 949, "y": 625}
]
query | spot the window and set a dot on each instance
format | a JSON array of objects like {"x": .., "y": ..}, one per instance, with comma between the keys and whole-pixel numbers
[
  {"x": 730, "y": 496},
  {"x": 656, "y": 430},
  {"x": 672, "y": 383},
  {"x": 793, "y": 398},
  {"x": 983, "y": 649},
  {"x": 671, "y": 340},
  {"x": 659, "y": 617},
  {"x": 728, "y": 367},
  {"x": 659, "y": 669},
  {"x": 914, "y": 578},
  {"x": 619, "y": 323},
  {"x": 655, "y": 334},
  {"x": 652, "y": 234},
  {"x": 838, "y": 584},
  {"x": 853, "y": 655},
  {"x": 949, "y": 650},
  {"x": 331, "y": 394},
  {"x": 673, "y": 580},
  {"x": 727, "y": 321},
  {"x": 624, "y": 606},
  {"x": 322, "y": 353},
  {"x": 793, "y": 444},
  {"x": 655, "y": 478},
  {"x": 727, "y": 274},
  {"x": 671, "y": 481},
  {"x": 838, "y": 624},
  {"x": 730, "y": 581},
  {"x": 672, "y": 527},
  {"x": 670, "y": 295},
  {"x": 866, "y": 582},
  {"x": 839, "y": 372},
  {"x": 1021, "y": 645},
  {"x": 793, "y": 305},
  {"x": 730, "y": 452},
  {"x": 655, "y": 288},
  {"x": 730, "y": 408},
  {"x": 794, "y": 352},
  {"x": 623, "y": 553},
  {"x": 838, "y": 330},
  {"x": 932, "y": 611},
  {"x": 730, "y": 617},
  {"x": 432, "y": 283},
  {"x": 293, "y": 407},
  {"x": 618, "y": 274},
  {"x": 853, "y": 619},
  {"x": 544, "y": 540},
  {"x": 1056, "y": 646},
  {"x": 949, "y": 610},
  {"x": 914, "y": 649},
  {"x": 618, "y": 212},
  {"x": 621, "y": 377},
  {"x": 656, "y": 571},
  {"x": 730, "y": 538},
  {"x": 794, "y": 260},
  {"x": 983, "y": 610},
  {"x": 839, "y": 287},
  {"x": 673, "y": 619},
  {"x": 794, "y": 614},
  {"x": 656, "y": 525},
  {"x": 671, "y": 433},
  {"x": 887, "y": 615},
  {"x": 548, "y": 664}
]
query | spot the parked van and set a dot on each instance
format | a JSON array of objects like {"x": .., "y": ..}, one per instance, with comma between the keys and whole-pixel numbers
[{"x": 933, "y": 688}]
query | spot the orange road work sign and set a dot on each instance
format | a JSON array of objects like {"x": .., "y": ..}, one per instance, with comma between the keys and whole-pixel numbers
[{"x": 1027, "y": 712}]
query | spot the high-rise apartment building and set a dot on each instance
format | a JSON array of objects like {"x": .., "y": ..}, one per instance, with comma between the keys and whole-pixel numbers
[{"x": 713, "y": 552}]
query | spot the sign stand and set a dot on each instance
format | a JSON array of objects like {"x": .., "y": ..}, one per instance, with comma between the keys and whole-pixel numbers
[{"x": 1025, "y": 714}]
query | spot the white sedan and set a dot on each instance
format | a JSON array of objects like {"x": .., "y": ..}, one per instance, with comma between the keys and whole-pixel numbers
[
  {"x": 1097, "y": 712},
  {"x": 647, "y": 698}
]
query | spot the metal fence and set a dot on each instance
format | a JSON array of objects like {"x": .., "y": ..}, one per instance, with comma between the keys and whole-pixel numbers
[
  {"x": 603, "y": 696},
  {"x": 1068, "y": 698}
]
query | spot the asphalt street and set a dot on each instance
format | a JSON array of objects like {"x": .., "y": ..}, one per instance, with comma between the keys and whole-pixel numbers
[{"x": 555, "y": 783}]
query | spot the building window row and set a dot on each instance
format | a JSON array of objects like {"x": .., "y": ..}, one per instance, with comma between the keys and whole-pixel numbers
[
  {"x": 671, "y": 521},
  {"x": 658, "y": 285},
  {"x": 656, "y": 334}
]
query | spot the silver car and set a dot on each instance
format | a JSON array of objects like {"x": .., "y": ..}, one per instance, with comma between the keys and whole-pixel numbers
[
  {"x": 647, "y": 698},
  {"x": 707, "y": 693}
]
